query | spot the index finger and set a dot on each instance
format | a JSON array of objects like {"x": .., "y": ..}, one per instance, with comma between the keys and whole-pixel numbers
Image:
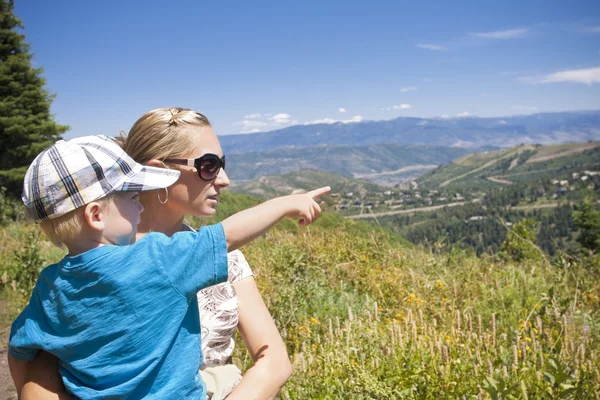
[{"x": 318, "y": 192}]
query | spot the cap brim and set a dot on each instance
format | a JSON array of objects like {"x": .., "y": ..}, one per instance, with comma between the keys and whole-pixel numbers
[{"x": 149, "y": 178}]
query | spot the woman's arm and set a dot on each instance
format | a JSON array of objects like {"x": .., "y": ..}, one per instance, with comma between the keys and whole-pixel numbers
[
  {"x": 272, "y": 367},
  {"x": 18, "y": 369},
  {"x": 38, "y": 379}
]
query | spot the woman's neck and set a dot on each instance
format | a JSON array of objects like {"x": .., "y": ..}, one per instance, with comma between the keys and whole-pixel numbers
[{"x": 158, "y": 217}]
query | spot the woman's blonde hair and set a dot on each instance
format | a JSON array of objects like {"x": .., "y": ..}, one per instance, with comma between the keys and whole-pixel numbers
[{"x": 162, "y": 133}]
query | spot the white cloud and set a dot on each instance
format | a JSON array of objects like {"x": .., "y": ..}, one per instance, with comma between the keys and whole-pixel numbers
[
  {"x": 247, "y": 123},
  {"x": 428, "y": 80},
  {"x": 342, "y": 110},
  {"x": 257, "y": 122},
  {"x": 506, "y": 34},
  {"x": 356, "y": 118},
  {"x": 592, "y": 29},
  {"x": 586, "y": 76},
  {"x": 408, "y": 89},
  {"x": 423, "y": 123},
  {"x": 251, "y": 126},
  {"x": 281, "y": 118},
  {"x": 457, "y": 116},
  {"x": 501, "y": 122},
  {"x": 402, "y": 107},
  {"x": 430, "y": 46},
  {"x": 321, "y": 121}
]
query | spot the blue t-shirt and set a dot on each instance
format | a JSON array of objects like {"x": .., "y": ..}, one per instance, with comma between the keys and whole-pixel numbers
[{"x": 123, "y": 320}]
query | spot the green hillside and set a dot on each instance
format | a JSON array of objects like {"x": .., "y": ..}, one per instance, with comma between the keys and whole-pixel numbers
[
  {"x": 547, "y": 184},
  {"x": 277, "y": 185},
  {"x": 517, "y": 164},
  {"x": 366, "y": 317}
]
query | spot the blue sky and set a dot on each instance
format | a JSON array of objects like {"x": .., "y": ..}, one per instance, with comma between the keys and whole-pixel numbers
[{"x": 263, "y": 65}]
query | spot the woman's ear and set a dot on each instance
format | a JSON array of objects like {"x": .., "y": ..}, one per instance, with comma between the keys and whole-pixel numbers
[
  {"x": 95, "y": 216},
  {"x": 156, "y": 163}
]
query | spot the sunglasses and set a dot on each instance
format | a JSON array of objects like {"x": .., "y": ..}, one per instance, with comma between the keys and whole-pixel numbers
[{"x": 208, "y": 166}]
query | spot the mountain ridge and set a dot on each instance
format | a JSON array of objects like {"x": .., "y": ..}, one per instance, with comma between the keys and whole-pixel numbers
[{"x": 543, "y": 128}]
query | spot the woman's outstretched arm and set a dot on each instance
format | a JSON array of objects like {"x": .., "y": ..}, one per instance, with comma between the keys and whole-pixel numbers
[{"x": 272, "y": 367}]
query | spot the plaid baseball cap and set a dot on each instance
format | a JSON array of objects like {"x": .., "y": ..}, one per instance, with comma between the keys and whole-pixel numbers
[{"x": 70, "y": 174}]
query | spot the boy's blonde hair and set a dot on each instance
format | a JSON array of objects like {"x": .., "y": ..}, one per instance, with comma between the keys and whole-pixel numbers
[
  {"x": 68, "y": 227},
  {"x": 162, "y": 133}
]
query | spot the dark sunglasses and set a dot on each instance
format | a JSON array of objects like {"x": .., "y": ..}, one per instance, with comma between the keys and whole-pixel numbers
[{"x": 208, "y": 165}]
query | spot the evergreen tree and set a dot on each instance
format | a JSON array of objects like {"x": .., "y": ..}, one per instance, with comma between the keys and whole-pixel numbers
[
  {"x": 26, "y": 125},
  {"x": 520, "y": 241},
  {"x": 588, "y": 220}
]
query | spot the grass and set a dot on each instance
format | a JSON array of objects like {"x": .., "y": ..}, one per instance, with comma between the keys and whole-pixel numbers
[
  {"x": 369, "y": 319},
  {"x": 366, "y": 317}
]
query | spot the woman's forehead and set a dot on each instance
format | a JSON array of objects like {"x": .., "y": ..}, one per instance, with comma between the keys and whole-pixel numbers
[{"x": 204, "y": 141}]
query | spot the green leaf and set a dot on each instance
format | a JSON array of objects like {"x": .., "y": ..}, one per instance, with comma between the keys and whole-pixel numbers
[{"x": 550, "y": 378}]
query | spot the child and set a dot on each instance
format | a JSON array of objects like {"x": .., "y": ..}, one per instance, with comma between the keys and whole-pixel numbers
[{"x": 122, "y": 318}]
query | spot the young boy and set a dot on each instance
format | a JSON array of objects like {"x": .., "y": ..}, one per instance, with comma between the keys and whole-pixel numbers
[{"x": 120, "y": 317}]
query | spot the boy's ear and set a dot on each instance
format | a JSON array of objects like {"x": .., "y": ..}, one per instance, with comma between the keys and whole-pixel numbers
[
  {"x": 94, "y": 216},
  {"x": 155, "y": 163}
]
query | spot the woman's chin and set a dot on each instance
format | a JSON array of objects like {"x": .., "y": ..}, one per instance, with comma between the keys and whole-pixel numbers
[{"x": 209, "y": 210}]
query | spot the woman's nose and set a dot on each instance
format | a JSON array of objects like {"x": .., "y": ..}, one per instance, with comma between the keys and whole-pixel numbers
[{"x": 222, "y": 179}]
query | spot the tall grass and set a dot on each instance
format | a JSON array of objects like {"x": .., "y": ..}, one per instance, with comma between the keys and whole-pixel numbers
[{"x": 365, "y": 317}]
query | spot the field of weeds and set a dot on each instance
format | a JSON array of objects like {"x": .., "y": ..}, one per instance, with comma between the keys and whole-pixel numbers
[
  {"x": 365, "y": 317},
  {"x": 369, "y": 320}
]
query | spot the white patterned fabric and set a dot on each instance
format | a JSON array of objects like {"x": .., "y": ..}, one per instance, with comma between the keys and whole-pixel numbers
[{"x": 219, "y": 312}]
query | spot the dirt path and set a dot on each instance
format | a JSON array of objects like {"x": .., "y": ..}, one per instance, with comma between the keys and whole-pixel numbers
[
  {"x": 490, "y": 163},
  {"x": 538, "y": 206},
  {"x": 433, "y": 208},
  {"x": 581, "y": 149},
  {"x": 411, "y": 211},
  {"x": 398, "y": 171},
  {"x": 497, "y": 179}
]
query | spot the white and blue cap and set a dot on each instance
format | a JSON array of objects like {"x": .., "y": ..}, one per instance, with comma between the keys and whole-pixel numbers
[{"x": 70, "y": 174}]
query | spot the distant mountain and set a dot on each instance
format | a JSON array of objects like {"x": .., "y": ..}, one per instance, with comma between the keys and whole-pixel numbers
[
  {"x": 468, "y": 132},
  {"x": 385, "y": 164},
  {"x": 270, "y": 186}
]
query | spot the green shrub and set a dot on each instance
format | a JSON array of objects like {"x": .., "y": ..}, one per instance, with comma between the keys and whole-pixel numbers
[
  {"x": 10, "y": 209},
  {"x": 22, "y": 269}
]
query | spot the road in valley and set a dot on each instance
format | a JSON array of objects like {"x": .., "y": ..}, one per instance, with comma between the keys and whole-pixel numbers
[{"x": 456, "y": 204}]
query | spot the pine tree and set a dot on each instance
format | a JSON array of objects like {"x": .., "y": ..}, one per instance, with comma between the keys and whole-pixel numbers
[
  {"x": 26, "y": 125},
  {"x": 587, "y": 219},
  {"x": 520, "y": 241}
]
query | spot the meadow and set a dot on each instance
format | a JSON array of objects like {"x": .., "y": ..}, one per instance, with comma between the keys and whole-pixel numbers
[{"x": 367, "y": 316}]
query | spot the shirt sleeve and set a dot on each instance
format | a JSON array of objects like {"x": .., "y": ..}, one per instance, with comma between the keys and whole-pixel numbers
[
  {"x": 25, "y": 335},
  {"x": 193, "y": 260},
  {"x": 238, "y": 267}
]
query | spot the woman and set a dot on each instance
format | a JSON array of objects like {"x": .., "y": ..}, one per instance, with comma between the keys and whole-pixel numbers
[{"x": 184, "y": 139}]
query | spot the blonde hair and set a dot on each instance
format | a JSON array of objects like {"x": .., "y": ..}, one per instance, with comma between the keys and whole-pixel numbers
[
  {"x": 162, "y": 133},
  {"x": 68, "y": 227}
]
